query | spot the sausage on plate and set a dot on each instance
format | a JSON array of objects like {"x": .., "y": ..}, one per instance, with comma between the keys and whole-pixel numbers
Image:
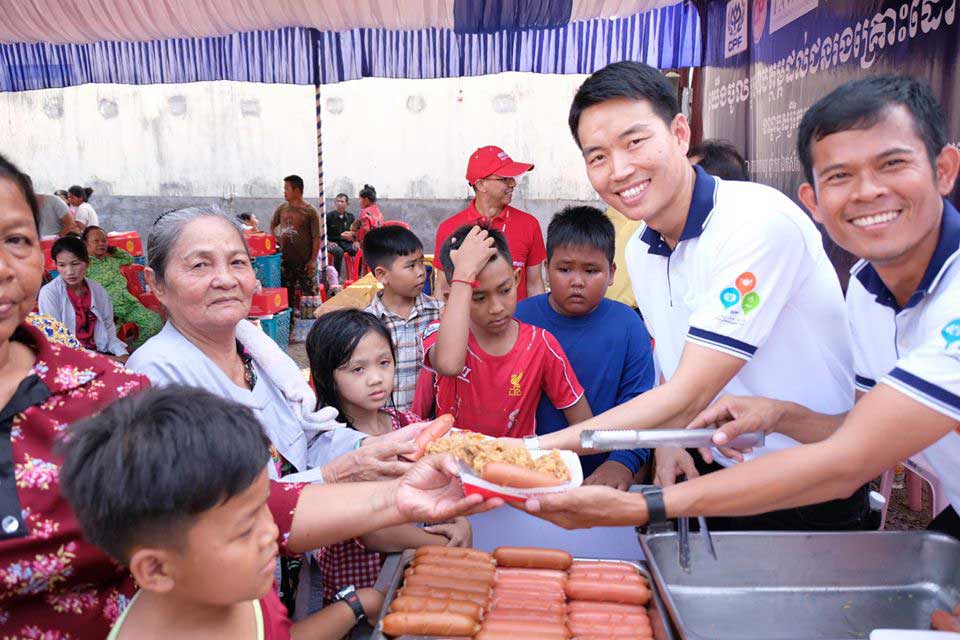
[
  {"x": 512, "y": 475},
  {"x": 443, "y": 582}
]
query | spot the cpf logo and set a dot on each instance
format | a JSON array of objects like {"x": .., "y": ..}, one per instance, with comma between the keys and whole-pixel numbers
[{"x": 735, "y": 32}]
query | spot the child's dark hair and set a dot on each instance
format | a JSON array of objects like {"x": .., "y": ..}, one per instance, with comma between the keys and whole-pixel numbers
[
  {"x": 139, "y": 472},
  {"x": 581, "y": 227},
  {"x": 73, "y": 244},
  {"x": 331, "y": 343},
  {"x": 24, "y": 185},
  {"x": 720, "y": 158},
  {"x": 383, "y": 245},
  {"x": 453, "y": 242}
]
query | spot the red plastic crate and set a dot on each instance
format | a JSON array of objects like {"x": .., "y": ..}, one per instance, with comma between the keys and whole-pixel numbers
[
  {"x": 269, "y": 301},
  {"x": 129, "y": 241},
  {"x": 47, "y": 245},
  {"x": 261, "y": 244}
]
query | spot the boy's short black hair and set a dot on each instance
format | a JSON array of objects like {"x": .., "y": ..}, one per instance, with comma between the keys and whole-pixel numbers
[
  {"x": 632, "y": 80},
  {"x": 581, "y": 227},
  {"x": 453, "y": 242},
  {"x": 139, "y": 472},
  {"x": 720, "y": 158},
  {"x": 383, "y": 245},
  {"x": 861, "y": 104},
  {"x": 72, "y": 243},
  {"x": 245, "y": 216},
  {"x": 295, "y": 181}
]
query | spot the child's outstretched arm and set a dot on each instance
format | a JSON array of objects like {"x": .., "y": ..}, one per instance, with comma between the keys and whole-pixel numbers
[
  {"x": 336, "y": 620},
  {"x": 404, "y": 536},
  {"x": 450, "y": 352},
  {"x": 579, "y": 411}
]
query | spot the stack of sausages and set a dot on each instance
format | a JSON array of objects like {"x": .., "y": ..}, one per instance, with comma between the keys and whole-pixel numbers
[
  {"x": 519, "y": 593},
  {"x": 607, "y": 600},
  {"x": 445, "y": 593}
]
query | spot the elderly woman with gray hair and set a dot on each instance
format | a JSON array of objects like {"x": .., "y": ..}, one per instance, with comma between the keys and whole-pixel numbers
[{"x": 199, "y": 268}]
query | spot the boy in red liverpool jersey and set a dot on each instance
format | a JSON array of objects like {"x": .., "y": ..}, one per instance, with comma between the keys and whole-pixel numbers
[{"x": 491, "y": 368}]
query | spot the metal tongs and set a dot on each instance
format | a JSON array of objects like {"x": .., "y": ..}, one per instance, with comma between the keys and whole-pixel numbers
[
  {"x": 610, "y": 440},
  {"x": 613, "y": 439}
]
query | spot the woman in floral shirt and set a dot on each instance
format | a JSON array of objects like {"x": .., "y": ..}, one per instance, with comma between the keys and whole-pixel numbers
[{"x": 53, "y": 584}]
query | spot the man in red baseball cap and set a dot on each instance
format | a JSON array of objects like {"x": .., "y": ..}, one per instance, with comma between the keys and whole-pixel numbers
[{"x": 493, "y": 176}]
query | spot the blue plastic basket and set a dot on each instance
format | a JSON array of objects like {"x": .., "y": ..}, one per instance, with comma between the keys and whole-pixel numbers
[
  {"x": 268, "y": 270},
  {"x": 277, "y": 327},
  {"x": 140, "y": 260}
]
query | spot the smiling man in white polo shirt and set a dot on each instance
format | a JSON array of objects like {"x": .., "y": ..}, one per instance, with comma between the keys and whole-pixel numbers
[
  {"x": 731, "y": 278},
  {"x": 879, "y": 170}
]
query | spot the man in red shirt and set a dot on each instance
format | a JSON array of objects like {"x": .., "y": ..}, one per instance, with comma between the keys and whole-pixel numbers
[{"x": 492, "y": 174}]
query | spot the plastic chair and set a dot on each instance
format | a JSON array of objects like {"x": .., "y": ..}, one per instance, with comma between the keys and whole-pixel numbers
[
  {"x": 919, "y": 467},
  {"x": 133, "y": 274},
  {"x": 354, "y": 266}
]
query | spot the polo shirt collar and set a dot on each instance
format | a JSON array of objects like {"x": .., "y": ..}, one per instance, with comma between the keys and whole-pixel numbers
[
  {"x": 701, "y": 206},
  {"x": 476, "y": 215},
  {"x": 947, "y": 250}
]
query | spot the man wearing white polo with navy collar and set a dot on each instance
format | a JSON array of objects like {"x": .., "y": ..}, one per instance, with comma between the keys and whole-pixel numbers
[
  {"x": 731, "y": 279},
  {"x": 879, "y": 170}
]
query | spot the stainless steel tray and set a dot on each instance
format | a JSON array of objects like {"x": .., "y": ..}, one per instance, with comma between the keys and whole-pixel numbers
[
  {"x": 801, "y": 586},
  {"x": 391, "y": 575}
]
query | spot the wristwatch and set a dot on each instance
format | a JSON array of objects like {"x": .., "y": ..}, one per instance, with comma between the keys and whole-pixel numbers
[
  {"x": 349, "y": 595},
  {"x": 657, "y": 521}
]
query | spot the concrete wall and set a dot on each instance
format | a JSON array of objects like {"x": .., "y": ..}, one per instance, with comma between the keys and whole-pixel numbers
[{"x": 149, "y": 149}]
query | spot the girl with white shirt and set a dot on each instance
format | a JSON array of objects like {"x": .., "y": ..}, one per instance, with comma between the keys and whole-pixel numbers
[{"x": 84, "y": 214}]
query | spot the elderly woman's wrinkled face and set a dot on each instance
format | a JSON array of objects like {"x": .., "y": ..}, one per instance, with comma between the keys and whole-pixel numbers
[
  {"x": 209, "y": 281},
  {"x": 21, "y": 259},
  {"x": 97, "y": 245}
]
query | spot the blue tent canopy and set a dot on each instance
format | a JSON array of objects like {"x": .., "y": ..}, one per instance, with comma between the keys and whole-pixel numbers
[{"x": 317, "y": 45}]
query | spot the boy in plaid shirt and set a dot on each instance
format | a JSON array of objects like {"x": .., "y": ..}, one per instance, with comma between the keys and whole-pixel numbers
[{"x": 395, "y": 256}]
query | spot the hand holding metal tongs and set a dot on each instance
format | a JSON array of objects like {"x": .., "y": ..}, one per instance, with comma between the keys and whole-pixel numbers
[{"x": 609, "y": 440}]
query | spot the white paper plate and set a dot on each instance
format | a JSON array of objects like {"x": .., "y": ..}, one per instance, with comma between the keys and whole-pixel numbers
[{"x": 474, "y": 484}]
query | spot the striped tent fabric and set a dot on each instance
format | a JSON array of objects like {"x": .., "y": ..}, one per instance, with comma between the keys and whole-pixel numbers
[{"x": 44, "y": 45}]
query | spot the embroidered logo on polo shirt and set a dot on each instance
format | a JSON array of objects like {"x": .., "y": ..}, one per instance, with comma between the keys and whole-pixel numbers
[
  {"x": 515, "y": 391},
  {"x": 742, "y": 294},
  {"x": 951, "y": 333}
]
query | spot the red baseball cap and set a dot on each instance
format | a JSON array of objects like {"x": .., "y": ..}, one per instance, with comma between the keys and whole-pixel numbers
[{"x": 487, "y": 161}]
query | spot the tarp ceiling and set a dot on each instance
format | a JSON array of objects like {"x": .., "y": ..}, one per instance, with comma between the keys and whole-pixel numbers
[{"x": 55, "y": 43}]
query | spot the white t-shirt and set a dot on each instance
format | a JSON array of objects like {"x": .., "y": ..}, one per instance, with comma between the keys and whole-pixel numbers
[
  {"x": 750, "y": 278},
  {"x": 916, "y": 350},
  {"x": 87, "y": 215}
]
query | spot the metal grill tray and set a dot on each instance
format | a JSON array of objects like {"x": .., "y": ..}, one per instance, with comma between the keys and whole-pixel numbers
[
  {"x": 804, "y": 586},
  {"x": 391, "y": 576}
]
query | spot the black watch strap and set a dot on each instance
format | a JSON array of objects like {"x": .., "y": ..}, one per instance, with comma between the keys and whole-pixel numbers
[
  {"x": 353, "y": 600},
  {"x": 656, "y": 509}
]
